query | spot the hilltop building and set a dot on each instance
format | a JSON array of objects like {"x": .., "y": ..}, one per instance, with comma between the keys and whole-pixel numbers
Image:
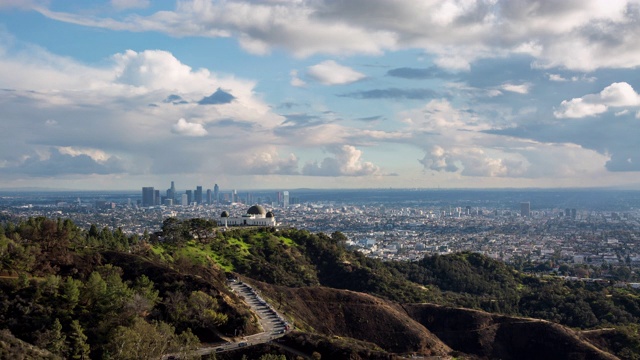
[{"x": 255, "y": 216}]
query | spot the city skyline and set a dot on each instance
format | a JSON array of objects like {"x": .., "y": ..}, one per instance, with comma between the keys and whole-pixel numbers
[{"x": 319, "y": 94}]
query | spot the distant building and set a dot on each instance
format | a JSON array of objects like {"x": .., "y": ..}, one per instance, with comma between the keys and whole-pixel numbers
[
  {"x": 209, "y": 197},
  {"x": 285, "y": 199},
  {"x": 184, "y": 201},
  {"x": 216, "y": 193},
  {"x": 171, "y": 192},
  {"x": 189, "y": 197},
  {"x": 255, "y": 216},
  {"x": 525, "y": 209},
  {"x": 198, "y": 195},
  {"x": 148, "y": 196}
]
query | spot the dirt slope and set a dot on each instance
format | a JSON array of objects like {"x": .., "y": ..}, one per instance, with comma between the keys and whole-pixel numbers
[
  {"x": 503, "y": 337},
  {"x": 354, "y": 315}
]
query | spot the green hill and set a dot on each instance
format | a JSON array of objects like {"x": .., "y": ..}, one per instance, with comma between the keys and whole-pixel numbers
[{"x": 76, "y": 292}]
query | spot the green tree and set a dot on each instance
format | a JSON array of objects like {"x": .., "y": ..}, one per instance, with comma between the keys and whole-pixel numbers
[
  {"x": 141, "y": 340},
  {"x": 70, "y": 295},
  {"x": 53, "y": 339},
  {"x": 94, "y": 290},
  {"x": 78, "y": 347}
]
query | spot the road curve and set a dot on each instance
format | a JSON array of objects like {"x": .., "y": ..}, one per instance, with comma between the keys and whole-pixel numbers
[{"x": 273, "y": 324}]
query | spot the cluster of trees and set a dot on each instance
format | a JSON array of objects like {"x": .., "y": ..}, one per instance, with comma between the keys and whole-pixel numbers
[{"x": 59, "y": 293}]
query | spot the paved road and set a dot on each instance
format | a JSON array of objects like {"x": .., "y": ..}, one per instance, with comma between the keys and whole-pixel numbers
[{"x": 272, "y": 323}]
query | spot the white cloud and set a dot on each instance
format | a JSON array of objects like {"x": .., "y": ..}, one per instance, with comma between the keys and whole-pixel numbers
[
  {"x": 578, "y": 108},
  {"x": 95, "y": 154},
  {"x": 574, "y": 34},
  {"x": 331, "y": 73},
  {"x": 615, "y": 95},
  {"x": 183, "y": 127},
  {"x": 345, "y": 162},
  {"x": 460, "y": 142},
  {"x": 53, "y": 104},
  {"x": 265, "y": 161},
  {"x": 295, "y": 80},
  {"x": 520, "y": 89},
  {"x": 556, "y": 77}
]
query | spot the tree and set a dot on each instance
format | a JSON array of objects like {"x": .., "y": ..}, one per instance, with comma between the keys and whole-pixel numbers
[
  {"x": 53, "y": 339},
  {"x": 94, "y": 289},
  {"x": 78, "y": 347},
  {"x": 70, "y": 294},
  {"x": 143, "y": 340}
]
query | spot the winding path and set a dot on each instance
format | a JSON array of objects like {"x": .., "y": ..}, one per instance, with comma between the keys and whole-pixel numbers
[{"x": 273, "y": 324}]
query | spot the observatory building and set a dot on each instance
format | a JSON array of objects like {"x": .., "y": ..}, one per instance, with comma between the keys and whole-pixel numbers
[{"x": 255, "y": 216}]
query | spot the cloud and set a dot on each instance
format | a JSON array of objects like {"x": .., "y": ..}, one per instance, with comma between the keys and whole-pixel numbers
[
  {"x": 576, "y": 35},
  {"x": 393, "y": 93},
  {"x": 346, "y": 162},
  {"x": 295, "y": 80},
  {"x": 129, "y": 4},
  {"x": 183, "y": 127},
  {"x": 419, "y": 74},
  {"x": 175, "y": 100},
  {"x": 266, "y": 161},
  {"x": 619, "y": 94},
  {"x": 64, "y": 161},
  {"x": 464, "y": 143},
  {"x": 331, "y": 73},
  {"x": 217, "y": 98},
  {"x": 520, "y": 89},
  {"x": 62, "y": 108}
]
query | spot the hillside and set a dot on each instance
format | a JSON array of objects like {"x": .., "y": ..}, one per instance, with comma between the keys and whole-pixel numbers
[
  {"x": 491, "y": 336},
  {"x": 354, "y": 315},
  {"x": 93, "y": 292}
]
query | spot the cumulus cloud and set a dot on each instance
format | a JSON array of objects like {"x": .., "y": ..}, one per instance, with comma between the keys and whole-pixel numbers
[
  {"x": 619, "y": 94},
  {"x": 55, "y": 102},
  {"x": 462, "y": 143},
  {"x": 265, "y": 161},
  {"x": 578, "y": 35},
  {"x": 61, "y": 161},
  {"x": 345, "y": 162},
  {"x": 330, "y": 72},
  {"x": 183, "y": 127}
]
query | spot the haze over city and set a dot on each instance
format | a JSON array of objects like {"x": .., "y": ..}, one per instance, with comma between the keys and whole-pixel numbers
[{"x": 319, "y": 94}]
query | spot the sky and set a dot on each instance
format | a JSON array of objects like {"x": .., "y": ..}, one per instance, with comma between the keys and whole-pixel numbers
[{"x": 286, "y": 94}]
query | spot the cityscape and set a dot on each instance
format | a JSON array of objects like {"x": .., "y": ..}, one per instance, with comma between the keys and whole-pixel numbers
[{"x": 598, "y": 228}]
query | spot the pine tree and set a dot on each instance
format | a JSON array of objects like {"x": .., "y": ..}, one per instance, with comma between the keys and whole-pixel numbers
[{"x": 78, "y": 347}]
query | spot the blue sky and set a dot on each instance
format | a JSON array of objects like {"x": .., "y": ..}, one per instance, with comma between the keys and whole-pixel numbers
[{"x": 283, "y": 94}]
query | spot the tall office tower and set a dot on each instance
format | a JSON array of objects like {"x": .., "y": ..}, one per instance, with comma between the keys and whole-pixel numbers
[
  {"x": 279, "y": 198},
  {"x": 216, "y": 193},
  {"x": 148, "y": 195},
  {"x": 574, "y": 213},
  {"x": 285, "y": 199},
  {"x": 184, "y": 201},
  {"x": 525, "y": 209},
  {"x": 156, "y": 197},
  {"x": 567, "y": 212},
  {"x": 189, "y": 197},
  {"x": 198, "y": 195},
  {"x": 171, "y": 192},
  {"x": 209, "y": 197},
  {"x": 234, "y": 196}
]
